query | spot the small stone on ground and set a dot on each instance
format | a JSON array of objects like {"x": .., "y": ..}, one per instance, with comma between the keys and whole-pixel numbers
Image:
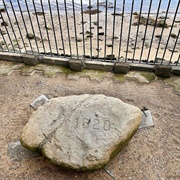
[
  {"x": 41, "y": 100},
  {"x": 146, "y": 120}
]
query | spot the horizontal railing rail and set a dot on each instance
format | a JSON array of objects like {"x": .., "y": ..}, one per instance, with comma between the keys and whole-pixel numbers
[{"x": 136, "y": 31}]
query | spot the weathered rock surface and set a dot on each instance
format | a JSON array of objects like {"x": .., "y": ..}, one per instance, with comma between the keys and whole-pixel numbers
[
  {"x": 149, "y": 21},
  {"x": 4, "y": 23},
  {"x": 30, "y": 36},
  {"x": 2, "y": 10},
  {"x": 173, "y": 35},
  {"x": 81, "y": 132},
  {"x": 91, "y": 11},
  {"x": 2, "y": 32},
  {"x": 48, "y": 27}
]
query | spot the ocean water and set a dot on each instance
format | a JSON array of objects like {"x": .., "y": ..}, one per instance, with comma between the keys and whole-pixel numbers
[{"x": 86, "y": 3}]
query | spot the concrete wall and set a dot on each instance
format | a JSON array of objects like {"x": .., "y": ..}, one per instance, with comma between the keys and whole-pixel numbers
[{"x": 79, "y": 64}]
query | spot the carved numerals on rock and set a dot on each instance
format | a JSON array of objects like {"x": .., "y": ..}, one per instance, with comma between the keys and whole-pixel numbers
[{"x": 94, "y": 123}]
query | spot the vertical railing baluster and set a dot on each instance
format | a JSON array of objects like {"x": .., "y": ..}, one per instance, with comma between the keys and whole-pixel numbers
[
  {"x": 22, "y": 16},
  {"x": 38, "y": 24},
  {"x": 174, "y": 47},
  {"x": 152, "y": 37},
  {"x": 54, "y": 32},
  {"x": 127, "y": 47},
  {"x": 121, "y": 30},
  {"x": 75, "y": 31},
  {"x": 12, "y": 7},
  {"x": 8, "y": 35},
  {"x": 162, "y": 31},
  {"x": 67, "y": 25},
  {"x": 178, "y": 60},
  {"x": 90, "y": 21},
  {"x": 171, "y": 30},
  {"x": 98, "y": 49},
  {"x": 13, "y": 30},
  {"x": 105, "y": 35},
  {"x": 32, "y": 26},
  {"x": 1, "y": 46},
  {"x": 114, "y": 20},
  {"x": 82, "y": 23},
  {"x": 138, "y": 25},
  {"x": 44, "y": 16},
  {"x": 144, "y": 38},
  {"x": 60, "y": 27}
]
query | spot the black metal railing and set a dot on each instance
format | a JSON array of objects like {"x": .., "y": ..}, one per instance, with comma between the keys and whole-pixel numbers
[{"x": 141, "y": 31}]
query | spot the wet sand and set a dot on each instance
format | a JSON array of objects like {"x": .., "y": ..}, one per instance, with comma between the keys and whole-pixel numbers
[{"x": 44, "y": 35}]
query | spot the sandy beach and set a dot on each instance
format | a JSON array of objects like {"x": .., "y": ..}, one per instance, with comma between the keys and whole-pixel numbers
[{"x": 50, "y": 31}]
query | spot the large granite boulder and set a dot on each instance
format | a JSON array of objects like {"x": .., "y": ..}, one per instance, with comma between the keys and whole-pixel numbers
[{"x": 81, "y": 132}]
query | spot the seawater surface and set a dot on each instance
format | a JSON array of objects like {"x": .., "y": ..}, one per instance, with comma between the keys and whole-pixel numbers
[{"x": 77, "y": 5}]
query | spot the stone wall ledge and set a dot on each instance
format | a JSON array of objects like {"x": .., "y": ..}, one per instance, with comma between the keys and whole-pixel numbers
[{"x": 30, "y": 59}]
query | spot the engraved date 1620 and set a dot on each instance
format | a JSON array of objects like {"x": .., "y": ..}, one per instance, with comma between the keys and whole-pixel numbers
[{"x": 93, "y": 123}]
